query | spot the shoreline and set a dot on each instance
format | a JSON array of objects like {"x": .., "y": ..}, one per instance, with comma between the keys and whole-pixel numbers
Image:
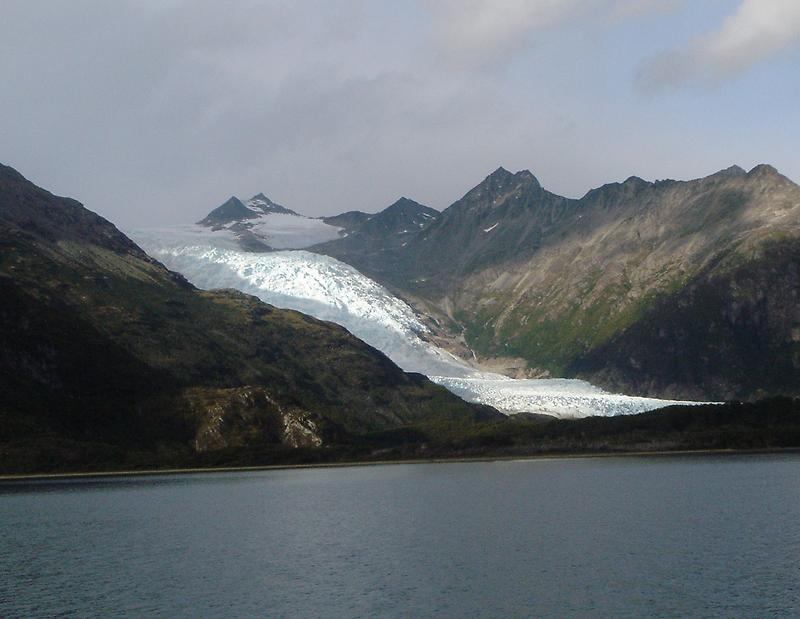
[{"x": 17, "y": 477}]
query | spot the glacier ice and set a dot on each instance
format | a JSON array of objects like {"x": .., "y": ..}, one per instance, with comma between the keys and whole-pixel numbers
[
  {"x": 560, "y": 397},
  {"x": 283, "y": 231},
  {"x": 332, "y": 290},
  {"x": 311, "y": 283}
]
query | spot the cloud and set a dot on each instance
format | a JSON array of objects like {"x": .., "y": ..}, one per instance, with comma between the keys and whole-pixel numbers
[
  {"x": 624, "y": 9},
  {"x": 756, "y": 31},
  {"x": 154, "y": 111},
  {"x": 481, "y": 31}
]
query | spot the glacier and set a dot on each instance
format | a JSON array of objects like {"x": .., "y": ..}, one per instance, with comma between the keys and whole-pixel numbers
[
  {"x": 334, "y": 291},
  {"x": 311, "y": 283},
  {"x": 283, "y": 231}
]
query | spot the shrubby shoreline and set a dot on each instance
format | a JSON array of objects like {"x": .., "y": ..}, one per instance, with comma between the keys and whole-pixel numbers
[{"x": 768, "y": 426}]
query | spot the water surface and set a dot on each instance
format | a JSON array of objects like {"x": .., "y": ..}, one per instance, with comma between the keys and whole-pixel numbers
[{"x": 623, "y": 537}]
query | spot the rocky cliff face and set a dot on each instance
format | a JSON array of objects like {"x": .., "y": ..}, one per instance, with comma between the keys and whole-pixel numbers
[
  {"x": 667, "y": 288},
  {"x": 241, "y": 416},
  {"x": 102, "y": 344}
]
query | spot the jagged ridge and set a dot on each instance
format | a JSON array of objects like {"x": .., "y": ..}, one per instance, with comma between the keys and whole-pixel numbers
[{"x": 559, "y": 282}]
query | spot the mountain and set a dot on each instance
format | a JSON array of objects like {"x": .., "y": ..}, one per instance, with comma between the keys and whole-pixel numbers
[
  {"x": 106, "y": 353},
  {"x": 381, "y": 234},
  {"x": 261, "y": 203},
  {"x": 672, "y": 288},
  {"x": 490, "y": 223},
  {"x": 349, "y": 221},
  {"x": 401, "y": 218},
  {"x": 233, "y": 210},
  {"x": 261, "y": 225}
]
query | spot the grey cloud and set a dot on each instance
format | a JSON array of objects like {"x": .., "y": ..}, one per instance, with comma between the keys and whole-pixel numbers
[
  {"x": 153, "y": 112},
  {"x": 757, "y": 30},
  {"x": 475, "y": 32}
]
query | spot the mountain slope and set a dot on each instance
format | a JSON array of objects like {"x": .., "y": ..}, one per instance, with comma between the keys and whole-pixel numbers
[
  {"x": 733, "y": 328},
  {"x": 264, "y": 205},
  {"x": 607, "y": 287},
  {"x": 331, "y": 290},
  {"x": 348, "y": 221},
  {"x": 391, "y": 229},
  {"x": 102, "y": 345},
  {"x": 489, "y": 224}
]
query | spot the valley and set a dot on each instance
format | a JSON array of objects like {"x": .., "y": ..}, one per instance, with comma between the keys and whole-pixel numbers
[
  {"x": 272, "y": 337},
  {"x": 513, "y": 291},
  {"x": 331, "y": 290}
]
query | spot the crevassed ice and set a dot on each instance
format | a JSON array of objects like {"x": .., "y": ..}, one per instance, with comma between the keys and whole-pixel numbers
[
  {"x": 331, "y": 290},
  {"x": 311, "y": 283},
  {"x": 560, "y": 397}
]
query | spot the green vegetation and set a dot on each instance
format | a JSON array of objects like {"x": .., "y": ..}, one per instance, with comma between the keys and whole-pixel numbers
[
  {"x": 106, "y": 356},
  {"x": 765, "y": 425},
  {"x": 730, "y": 330},
  {"x": 676, "y": 289},
  {"x": 554, "y": 344}
]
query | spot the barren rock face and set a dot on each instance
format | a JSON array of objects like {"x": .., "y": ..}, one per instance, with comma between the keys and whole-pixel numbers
[{"x": 245, "y": 415}]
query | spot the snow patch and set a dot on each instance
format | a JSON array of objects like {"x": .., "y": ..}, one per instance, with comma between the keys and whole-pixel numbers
[{"x": 283, "y": 231}]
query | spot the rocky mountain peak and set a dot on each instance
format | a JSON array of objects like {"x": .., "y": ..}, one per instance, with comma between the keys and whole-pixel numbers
[
  {"x": 767, "y": 176},
  {"x": 528, "y": 177},
  {"x": 635, "y": 182},
  {"x": 611, "y": 192},
  {"x": 500, "y": 174},
  {"x": 501, "y": 182},
  {"x": 732, "y": 171},
  {"x": 406, "y": 204},
  {"x": 764, "y": 170},
  {"x": 37, "y": 214},
  {"x": 232, "y": 202},
  {"x": 233, "y": 209},
  {"x": 401, "y": 217},
  {"x": 262, "y": 203}
]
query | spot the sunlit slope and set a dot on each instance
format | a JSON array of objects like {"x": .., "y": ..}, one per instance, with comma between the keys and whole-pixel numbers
[{"x": 672, "y": 288}]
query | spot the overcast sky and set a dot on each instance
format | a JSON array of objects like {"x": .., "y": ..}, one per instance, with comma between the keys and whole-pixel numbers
[{"x": 153, "y": 112}]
